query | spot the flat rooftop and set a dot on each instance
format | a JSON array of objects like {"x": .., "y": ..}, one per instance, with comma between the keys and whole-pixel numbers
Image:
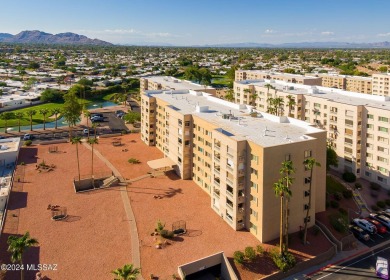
[
  {"x": 265, "y": 130},
  {"x": 176, "y": 84},
  {"x": 335, "y": 95},
  {"x": 9, "y": 145},
  {"x": 279, "y": 74}
]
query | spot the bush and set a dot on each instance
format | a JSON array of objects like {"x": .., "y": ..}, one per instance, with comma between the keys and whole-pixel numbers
[
  {"x": 167, "y": 234},
  {"x": 27, "y": 143},
  {"x": 358, "y": 186},
  {"x": 347, "y": 194},
  {"x": 338, "y": 222},
  {"x": 375, "y": 186},
  {"x": 160, "y": 226},
  {"x": 349, "y": 177},
  {"x": 134, "y": 161},
  {"x": 375, "y": 208},
  {"x": 343, "y": 211},
  {"x": 283, "y": 262},
  {"x": 381, "y": 204},
  {"x": 260, "y": 250},
  {"x": 338, "y": 196},
  {"x": 250, "y": 253},
  {"x": 238, "y": 257},
  {"x": 387, "y": 201},
  {"x": 334, "y": 204}
]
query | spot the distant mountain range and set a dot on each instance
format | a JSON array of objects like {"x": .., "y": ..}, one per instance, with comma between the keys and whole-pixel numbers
[{"x": 39, "y": 37}]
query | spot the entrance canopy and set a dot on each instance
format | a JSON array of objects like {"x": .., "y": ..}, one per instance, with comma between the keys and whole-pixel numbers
[{"x": 161, "y": 163}]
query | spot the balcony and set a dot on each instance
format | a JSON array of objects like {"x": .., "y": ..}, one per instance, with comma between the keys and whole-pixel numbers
[
  {"x": 217, "y": 182},
  {"x": 216, "y": 192},
  {"x": 217, "y": 170},
  {"x": 228, "y": 167},
  {"x": 230, "y": 194},
  {"x": 230, "y": 155},
  {"x": 217, "y": 148},
  {"x": 229, "y": 180},
  {"x": 229, "y": 205}
]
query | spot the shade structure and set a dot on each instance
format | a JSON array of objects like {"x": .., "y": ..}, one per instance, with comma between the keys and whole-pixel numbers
[{"x": 161, "y": 163}]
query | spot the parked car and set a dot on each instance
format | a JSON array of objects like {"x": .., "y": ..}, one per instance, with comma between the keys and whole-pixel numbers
[
  {"x": 359, "y": 233},
  {"x": 119, "y": 113},
  {"x": 366, "y": 225},
  {"x": 379, "y": 227},
  {"x": 384, "y": 213},
  {"x": 382, "y": 219},
  {"x": 28, "y": 137},
  {"x": 85, "y": 131},
  {"x": 96, "y": 115},
  {"x": 97, "y": 119}
]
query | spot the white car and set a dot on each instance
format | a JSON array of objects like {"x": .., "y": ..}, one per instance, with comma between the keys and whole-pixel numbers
[
  {"x": 382, "y": 219},
  {"x": 366, "y": 225}
]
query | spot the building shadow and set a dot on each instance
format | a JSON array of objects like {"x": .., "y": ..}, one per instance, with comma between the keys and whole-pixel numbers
[
  {"x": 17, "y": 200},
  {"x": 172, "y": 175},
  {"x": 28, "y": 155}
]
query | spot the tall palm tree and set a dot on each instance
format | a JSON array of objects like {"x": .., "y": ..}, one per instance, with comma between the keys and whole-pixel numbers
[
  {"x": 279, "y": 189},
  {"x": 287, "y": 170},
  {"x": 127, "y": 272},
  {"x": 56, "y": 112},
  {"x": 309, "y": 164},
  {"x": 87, "y": 114},
  {"x": 290, "y": 103},
  {"x": 44, "y": 112},
  {"x": 268, "y": 86},
  {"x": 19, "y": 116},
  {"x": 278, "y": 103},
  {"x": 94, "y": 127},
  {"x": 31, "y": 113},
  {"x": 17, "y": 246},
  {"x": 6, "y": 116},
  {"x": 92, "y": 142},
  {"x": 77, "y": 141},
  {"x": 271, "y": 106}
]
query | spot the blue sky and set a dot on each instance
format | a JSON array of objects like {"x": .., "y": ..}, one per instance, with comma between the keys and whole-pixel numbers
[{"x": 184, "y": 22}]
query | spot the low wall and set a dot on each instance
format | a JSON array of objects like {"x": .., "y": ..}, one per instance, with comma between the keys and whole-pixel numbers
[
  {"x": 330, "y": 236},
  {"x": 50, "y": 142},
  {"x": 303, "y": 265}
]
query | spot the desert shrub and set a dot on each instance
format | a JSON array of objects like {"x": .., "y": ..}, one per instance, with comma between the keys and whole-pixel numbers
[
  {"x": 250, "y": 253},
  {"x": 238, "y": 257},
  {"x": 338, "y": 222},
  {"x": 167, "y": 233},
  {"x": 375, "y": 208},
  {"x": 27, "y": 143},
  {"x": 349, "y": 177},
  {"x": 160, "y": 226},
  {"x": 381, "y": 204},
  {"x": 260, "y": 250},
  {"x": 334, "y": 204},
  {"x": 283, "y": 262},
  {"x": 387, "y": 201},
  {"x": 358, "y": 186},
  {"x": 375, "y": 186},
  {"x": 134, "y": 161},
  {"x": 347, "y": 194},
  {"x": 338, "y": 196},
  {"x": 342, "y": 211}
]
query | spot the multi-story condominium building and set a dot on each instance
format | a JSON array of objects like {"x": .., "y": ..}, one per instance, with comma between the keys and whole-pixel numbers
[
  {"x": 381, "y": 84},
  {"x": 358, "y": 125},
  {"x": 234, "y": 154},
  {"x": 171, "y": 83},
  {"x": 241, "y": 75},
  {"x": 349, "y": 83}
]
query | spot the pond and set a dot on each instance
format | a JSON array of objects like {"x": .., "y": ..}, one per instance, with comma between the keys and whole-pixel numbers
[{"x": 61, "y": 121}]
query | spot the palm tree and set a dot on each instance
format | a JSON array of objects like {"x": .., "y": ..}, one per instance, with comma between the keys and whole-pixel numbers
[
  {"x": 19, "y": 116},
  {"x": 87, "y": 114},
  {"x": 248, "y": 91},
  {"x": 92, "y": 142},
  {"x": 127, "y": 272},
  {"x": 309, "y": 164},
  {"x": 286, "y": 170},
  {"x": 279, "y": 189},
  {"x": 290, "y": 103},
  {"x": 271, "y": 106},
  {"x": 278, "y": 103},
  {"x": 94, "y": 127},
  {"x": 56, "y": 112},
  {"x": 6, "y": 116},
  {"x": 44, "y": 112},
  {"x": 31, "y": 113},
  {"x": 77, "y": 141},
  {"x": 17, "y": 246},
  {"x": 268, "y": 86},
  {"x": 229, "y": 95}
]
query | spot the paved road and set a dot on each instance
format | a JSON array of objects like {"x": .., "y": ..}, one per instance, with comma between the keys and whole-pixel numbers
[{"x": 362, "y": 267}]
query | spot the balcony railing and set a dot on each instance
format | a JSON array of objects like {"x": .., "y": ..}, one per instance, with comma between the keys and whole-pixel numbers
[
  {"x": 229, "y": 206},
  {"x": 228, "y": 167},
  {"x": 229, "y": 180},
  {"x": 229, "y": 193}
]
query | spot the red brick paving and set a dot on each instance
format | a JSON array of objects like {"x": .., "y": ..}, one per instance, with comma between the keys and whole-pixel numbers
[{"x": 92, "y": 242}]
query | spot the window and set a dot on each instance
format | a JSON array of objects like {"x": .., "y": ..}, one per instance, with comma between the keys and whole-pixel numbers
[
  {"x": 307, "y": 180},
  {"x": 383, "y": 129},
  {"x": 255, "y": 158},
  {"x": 254, "y": 171},
  {"x": 180, "y": 122},
  {"x": 368, "y": 174},
  {"x": 383, "y": 150},
  {"x": 254, "y": 213},
  {"x": 382, "y": 180},
  {"x": 306, "y": 220},
  {"x": 307, "y": 193},
  {"x": 383, "y": 119},
  {"x": 187, "y": 123},
  {"x": 307, "y": 153},
  {"x": 382, "y": 169},
  {"x": 306, "y": 206},
  {"x": 383, "y": 139},
  {"x": 369, "y": 116},
  {"x": 179, "y": 159},
  {"x": 287, "y": 157},
  {"x": 254, "y": 185},
  {"x": 382, "y": 159},
  {"x": 370, "y": 126}
]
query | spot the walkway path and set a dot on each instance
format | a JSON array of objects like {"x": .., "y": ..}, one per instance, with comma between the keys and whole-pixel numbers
[{"x": 135, "y": 246}]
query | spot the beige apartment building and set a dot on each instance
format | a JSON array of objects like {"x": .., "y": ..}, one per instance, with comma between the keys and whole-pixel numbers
[
  {"x": 172, "y": 83},
  {"x": 380, "y": 84},
  {"x": 234, "y": 154},
  {"x": 358, "y": 125},
  {"x": 348, "y": 83},
  {"x": 241, "y": 75}
]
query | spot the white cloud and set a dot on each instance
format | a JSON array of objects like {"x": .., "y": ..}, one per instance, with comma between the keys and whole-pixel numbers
[
  {"x": 327, "y": 33},
  {"x": 269, "y": 31},
  {"x": 384, "y": 34}
]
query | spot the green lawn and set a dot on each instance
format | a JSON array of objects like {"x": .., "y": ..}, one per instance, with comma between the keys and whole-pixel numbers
[
  {"x": 333, "y": 186},
  {"x": 220, "y": 80}
]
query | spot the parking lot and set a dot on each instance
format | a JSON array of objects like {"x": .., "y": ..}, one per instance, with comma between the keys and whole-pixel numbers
[{"x": 375, "y": 238}]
